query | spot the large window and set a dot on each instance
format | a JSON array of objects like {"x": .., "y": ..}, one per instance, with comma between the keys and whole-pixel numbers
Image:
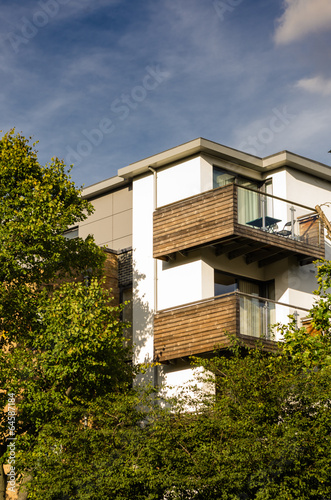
[
  {"x": 227, "y": 283},
  {"x": 223, "y": 178},
  {"x": 224, "y": 283}
]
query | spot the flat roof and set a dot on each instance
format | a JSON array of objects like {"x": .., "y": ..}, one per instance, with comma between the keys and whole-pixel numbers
[{"x": 204, "y": 146}]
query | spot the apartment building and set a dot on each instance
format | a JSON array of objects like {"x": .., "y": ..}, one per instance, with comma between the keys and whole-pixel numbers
[{"x": 211, "y": 240}]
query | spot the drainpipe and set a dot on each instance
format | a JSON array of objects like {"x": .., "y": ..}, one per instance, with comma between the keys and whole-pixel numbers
[{"x": 155, "y": 261}]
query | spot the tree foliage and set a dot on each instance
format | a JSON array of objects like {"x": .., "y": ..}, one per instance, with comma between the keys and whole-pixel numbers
[
  {"x": 37, "y": 205},
  {"x": 63, "y": 379},
  {"x": 265, "y": 435},
  {"x": 61, "y": 345}
]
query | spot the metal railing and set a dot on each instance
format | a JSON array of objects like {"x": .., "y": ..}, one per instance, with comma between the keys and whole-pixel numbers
[
  {"x": 258, "y": 315},
  {"x": 278, "y": 216}
]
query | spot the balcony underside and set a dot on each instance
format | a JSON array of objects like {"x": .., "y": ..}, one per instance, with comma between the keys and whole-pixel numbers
[
  {"x": 255, "y": 246},
  {"x": 264, "y": 248}
]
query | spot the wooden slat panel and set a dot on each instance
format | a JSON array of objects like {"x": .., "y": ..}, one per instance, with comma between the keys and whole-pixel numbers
[
  {"x": 309, "y": 327},
  {"x": 194, "y": 329},
  {"x": 197, "y": 220},
  {"x": 310, "y": 229}
]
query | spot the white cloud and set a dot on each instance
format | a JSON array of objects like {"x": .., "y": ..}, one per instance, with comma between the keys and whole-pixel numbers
[
  {"x": 301, "y": 18},
  {"x": 316, "y": 85}
]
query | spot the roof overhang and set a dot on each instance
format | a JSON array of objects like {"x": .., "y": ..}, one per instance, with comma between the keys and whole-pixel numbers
[
  {"x": 187, "y": 150},
  {"x": 104, "y": 186},
  {"x": 214, "y": 150}
]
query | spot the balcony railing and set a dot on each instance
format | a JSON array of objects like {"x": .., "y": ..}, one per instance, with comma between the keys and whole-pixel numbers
[
  {"x": 259, "y": 316},
  {"x": 196, "y": 328},
  {"x": 280, "y": 217},
  {"x": 239, "y": 222}
]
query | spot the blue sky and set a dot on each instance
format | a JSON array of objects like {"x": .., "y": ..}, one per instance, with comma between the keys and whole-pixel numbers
[{"x": 104, "y": 83}]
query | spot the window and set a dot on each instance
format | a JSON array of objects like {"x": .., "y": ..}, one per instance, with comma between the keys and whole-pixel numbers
[
  {"x": 224, "y": 283},
  {"x": 222, "y": 177},
  {"x": 255, "y": 312},
  {"x": 71, "y": 233},
  {"x": 227, "y": 283}
]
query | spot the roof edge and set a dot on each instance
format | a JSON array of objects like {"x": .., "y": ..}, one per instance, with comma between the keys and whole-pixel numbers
[{"x": 103, "y": 186}]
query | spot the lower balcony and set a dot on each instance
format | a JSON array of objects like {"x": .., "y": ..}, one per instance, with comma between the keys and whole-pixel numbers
[{"x": 196, "y": 328}]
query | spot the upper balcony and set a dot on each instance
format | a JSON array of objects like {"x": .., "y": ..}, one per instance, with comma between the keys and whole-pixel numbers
[
  {"x": 195, "y": 329},
  {"x": 239, "y": 221}
]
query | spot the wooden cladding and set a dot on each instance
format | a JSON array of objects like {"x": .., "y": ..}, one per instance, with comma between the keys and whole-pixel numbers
[
  {"x": 309, "y": 327},
  {"x": 196, "y": 328},
  {"x": 211, "y": 218},
  {"x": 311, "y": 230},
  {"x": 195, "y": 221}
]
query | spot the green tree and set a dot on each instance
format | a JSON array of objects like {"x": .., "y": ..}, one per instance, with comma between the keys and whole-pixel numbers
[
  {"x": 37, "y": 205},
  {"x": 266, "y": 435},
  {"x": 49, "y": 362},
  {"x": 63, "y": 379}
]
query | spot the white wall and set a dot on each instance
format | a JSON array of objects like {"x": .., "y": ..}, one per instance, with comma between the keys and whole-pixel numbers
[
  {"x": 143, "y": 269},
  {"x": 182, "y": 281},
  {"x": 185, "y": 380},
  {"x": 183, "y": 180},
  {"x": 177, "y": 283}
]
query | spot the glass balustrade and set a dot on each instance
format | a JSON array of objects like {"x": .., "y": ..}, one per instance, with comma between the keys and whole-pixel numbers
[
  {"x": 277, "y": 216},
  {"x": 258, "y": 316}
]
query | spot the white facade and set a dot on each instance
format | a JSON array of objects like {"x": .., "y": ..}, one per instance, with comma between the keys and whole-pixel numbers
[{"x": 189, "y": 277}]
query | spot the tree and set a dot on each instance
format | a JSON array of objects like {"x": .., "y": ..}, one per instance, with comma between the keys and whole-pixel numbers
[
  {"x": 264, "y": 435},
  {"x": 37, "y": 205},
  {"x": 63, "y": 379}
]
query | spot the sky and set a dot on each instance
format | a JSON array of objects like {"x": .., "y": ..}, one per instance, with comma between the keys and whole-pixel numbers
[{"x": 105, "y": 83}]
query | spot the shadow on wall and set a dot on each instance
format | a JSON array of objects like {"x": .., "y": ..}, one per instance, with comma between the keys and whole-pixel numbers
[
  {"x": 142, "y": 326},
  {"x": 300, "y": 278}
]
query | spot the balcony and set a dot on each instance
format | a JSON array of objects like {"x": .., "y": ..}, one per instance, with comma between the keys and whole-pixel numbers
[
  {"x": 195, "y": 329},
  {"x": 239, "y": 222}
]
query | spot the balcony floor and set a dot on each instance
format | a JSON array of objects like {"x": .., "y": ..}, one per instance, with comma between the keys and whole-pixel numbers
[{"x": 265, "y": 248}]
